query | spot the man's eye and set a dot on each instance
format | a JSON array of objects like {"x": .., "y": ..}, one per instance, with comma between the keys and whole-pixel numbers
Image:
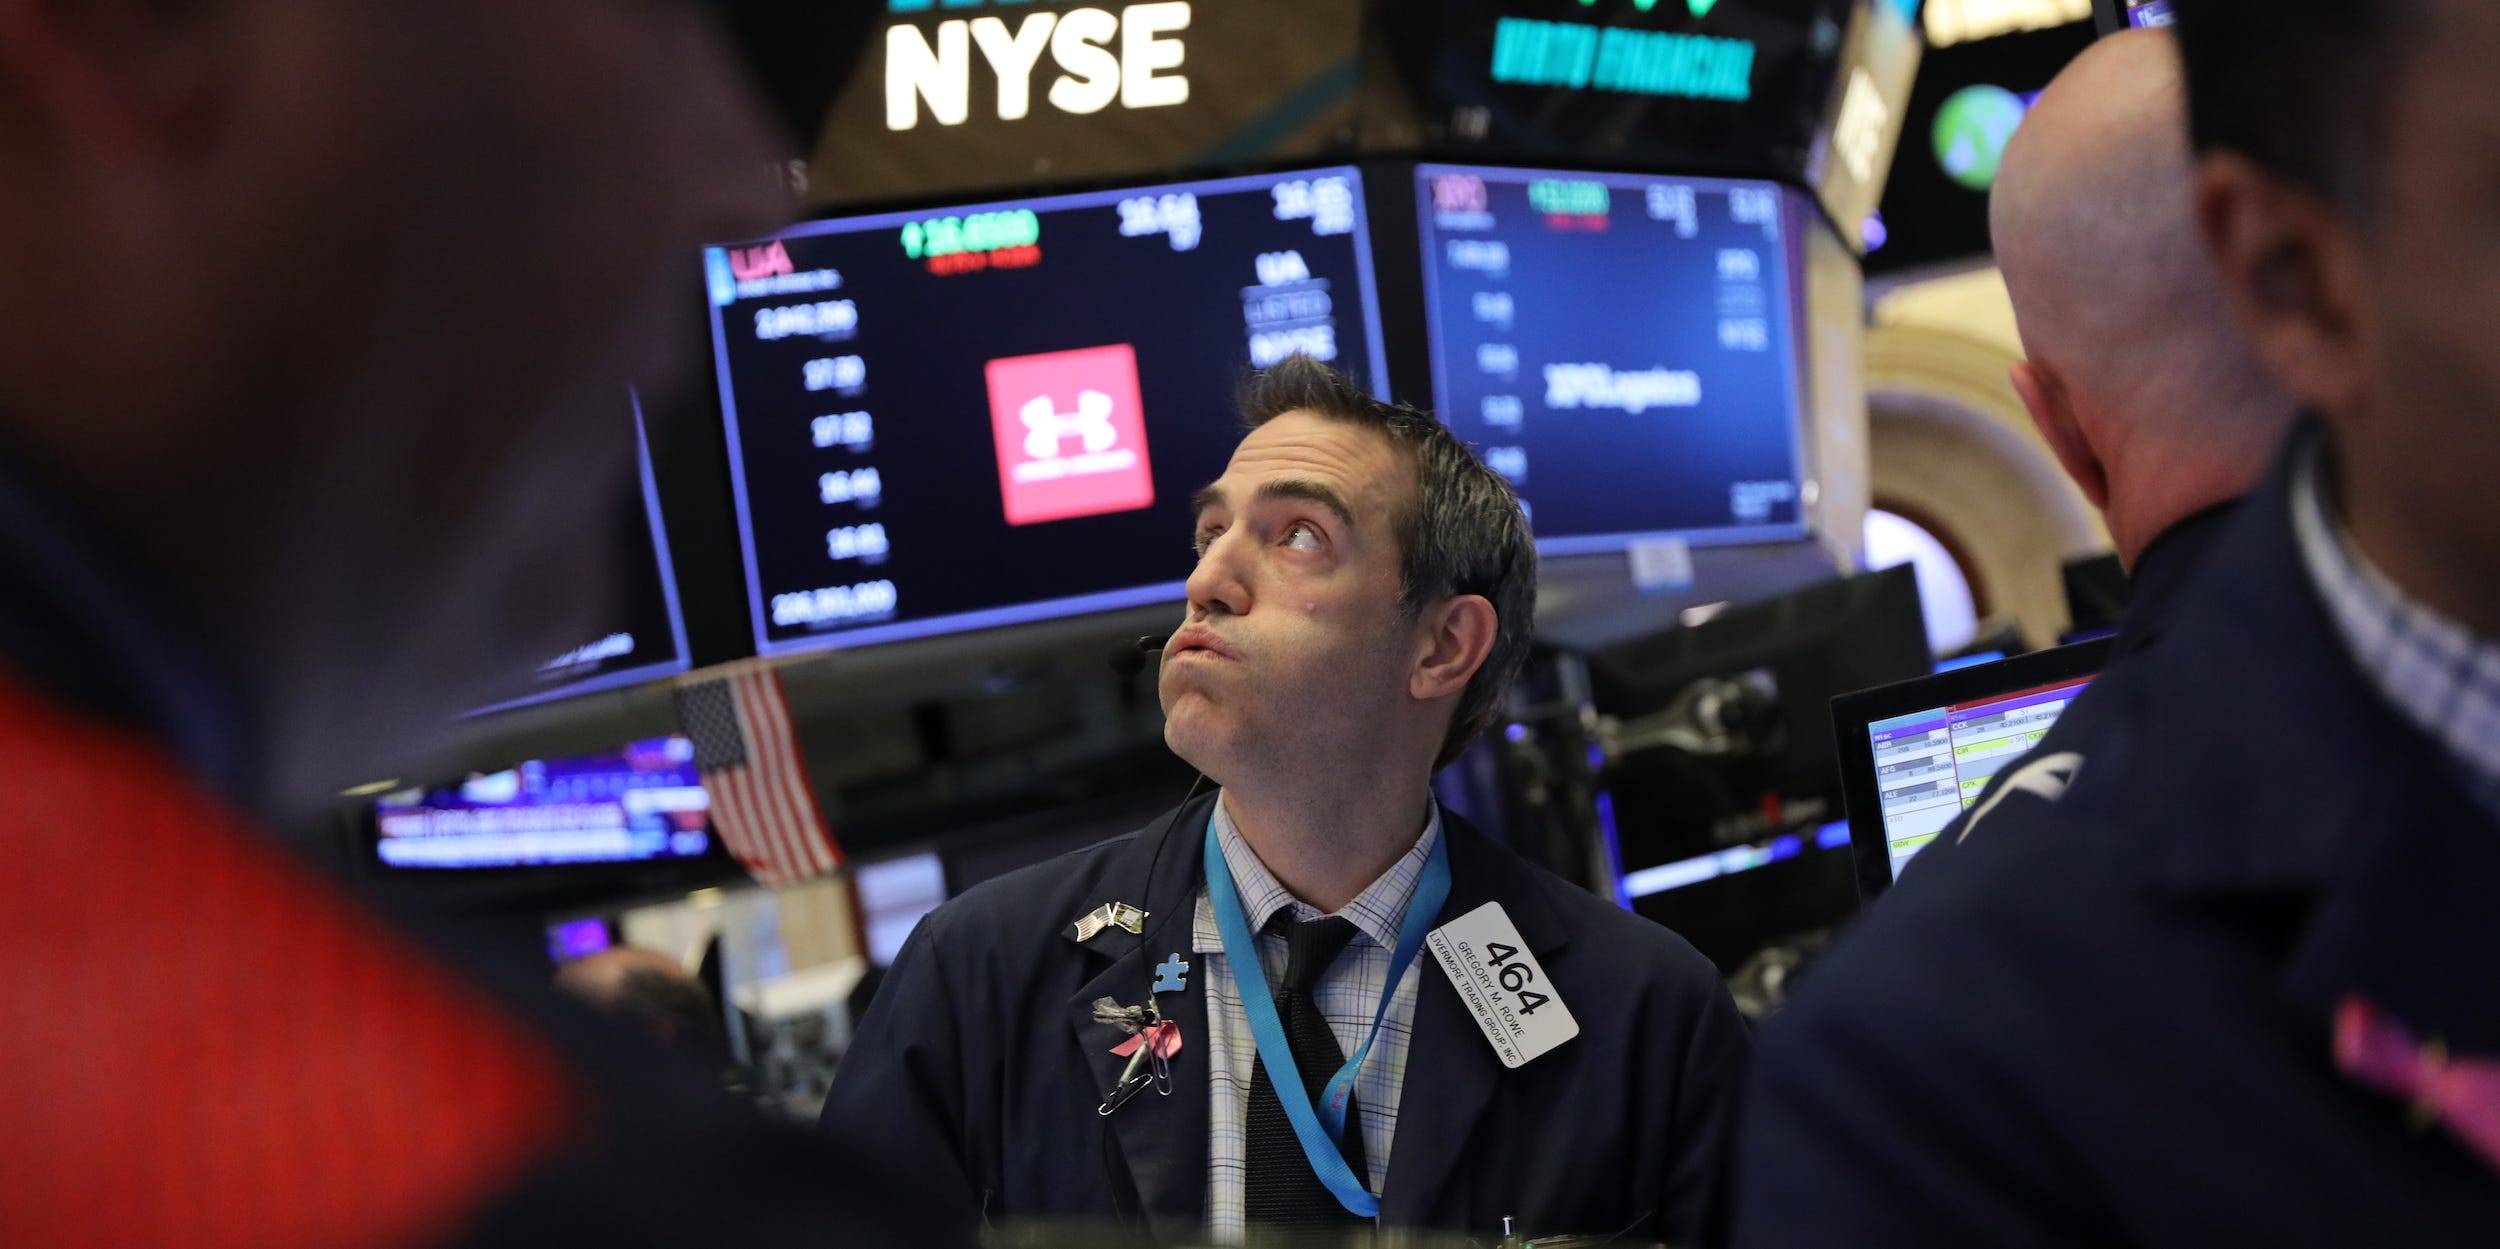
[
  {"x": 1303, "y": 537},
  {"x": 1206, "y": 538}
]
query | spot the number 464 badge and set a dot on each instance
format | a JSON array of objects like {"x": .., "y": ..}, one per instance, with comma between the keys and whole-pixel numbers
[{"x": 1502, "y": 985}]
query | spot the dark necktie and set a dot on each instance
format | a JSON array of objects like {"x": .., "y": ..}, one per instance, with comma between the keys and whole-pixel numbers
[{"x": 1284, "y": 1194}]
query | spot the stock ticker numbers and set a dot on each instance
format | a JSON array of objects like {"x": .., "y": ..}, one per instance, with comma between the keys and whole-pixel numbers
[
  {"x": 938, "y": 421},
  {"x": 1009, "y": 239},
  {"x": 1585, "y": 324}
]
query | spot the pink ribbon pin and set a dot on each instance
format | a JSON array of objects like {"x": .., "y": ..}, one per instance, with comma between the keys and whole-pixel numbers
[
  {"x": 2461, "y": 1094},
  {"x": 1167, "y": 1040}
]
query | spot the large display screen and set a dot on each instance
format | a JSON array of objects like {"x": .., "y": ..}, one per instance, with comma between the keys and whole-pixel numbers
[
  {"x": 643, "y": 804},
  {"x": 646, "y": 637},
  {"x": 1620, "y": 347},
  {"x": 977, "y": 416}
]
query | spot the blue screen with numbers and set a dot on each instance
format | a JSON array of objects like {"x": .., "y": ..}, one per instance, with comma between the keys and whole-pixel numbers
[
  {"x": 1622, "y": 348},
  {"x": 972, "y": 416}
]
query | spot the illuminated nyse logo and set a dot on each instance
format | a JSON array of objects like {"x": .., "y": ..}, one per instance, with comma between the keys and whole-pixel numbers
[
  {"x": 1080, "y": 43},
  {"x": 1071, "y": 434}
]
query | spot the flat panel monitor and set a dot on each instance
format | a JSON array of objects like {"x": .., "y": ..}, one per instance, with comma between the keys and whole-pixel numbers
[
  {"x": 1915, "y": 755},
  {"x": 642, "y": 804},
  {"x": 1968, "y": 102},
  {"x": 645, "y": 635},
  {"x": 1621, "y": 347},
  {"x": 1722, "y": 780},
  {"x": 986, "y": 415},
  {"x": 1765, "y": 88},
  {"x": 894, "y": 896}
]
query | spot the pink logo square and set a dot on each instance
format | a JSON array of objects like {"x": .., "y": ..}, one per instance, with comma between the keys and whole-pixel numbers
[{"x": 1071, "y": 434}]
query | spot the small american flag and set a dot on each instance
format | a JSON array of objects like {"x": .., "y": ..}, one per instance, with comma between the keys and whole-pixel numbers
[{"x": 762, "y": 804}]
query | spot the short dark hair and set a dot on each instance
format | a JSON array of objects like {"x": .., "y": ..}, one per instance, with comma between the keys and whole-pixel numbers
[
  {"x": 2302, "y": 87},
  {"x": 1462, "y": 534}
]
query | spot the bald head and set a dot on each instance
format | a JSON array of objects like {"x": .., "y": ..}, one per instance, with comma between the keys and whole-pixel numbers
[{"x": 2137, "y": 374}]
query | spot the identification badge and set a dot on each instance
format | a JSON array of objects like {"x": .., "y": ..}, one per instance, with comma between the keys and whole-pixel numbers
[{"x": 1502, "y": 985}]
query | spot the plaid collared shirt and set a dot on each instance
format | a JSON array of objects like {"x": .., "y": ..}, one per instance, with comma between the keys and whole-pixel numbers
[
  {"x": 1347, "y": 996},
  {"x": 2436, "y": 673}
]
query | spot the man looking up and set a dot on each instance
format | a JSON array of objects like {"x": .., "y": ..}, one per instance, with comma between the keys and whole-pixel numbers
[
  {"x": 2225, "y": 980},
  {"x": 1363, "y": 595}
]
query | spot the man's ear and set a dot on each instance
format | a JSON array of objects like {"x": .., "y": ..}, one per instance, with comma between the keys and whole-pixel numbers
[
  {"x": 1457, "y": 636},
  {"x": 2291, "y": 268},
  {"x": 2052, "y": 409},
  {"x": 135, "y": 70}
]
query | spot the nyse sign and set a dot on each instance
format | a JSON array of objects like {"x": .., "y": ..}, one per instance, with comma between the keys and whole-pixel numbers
[{"x": 1100, "y": 57}]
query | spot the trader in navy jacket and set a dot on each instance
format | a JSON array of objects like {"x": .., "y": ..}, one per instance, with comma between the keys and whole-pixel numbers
[
  {"x": 1363, "y": 594},
  {"x": 2214, "y": 965}
]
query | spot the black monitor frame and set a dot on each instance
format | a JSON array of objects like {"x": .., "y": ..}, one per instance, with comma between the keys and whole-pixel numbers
[{"x": 1860, "y": 793}]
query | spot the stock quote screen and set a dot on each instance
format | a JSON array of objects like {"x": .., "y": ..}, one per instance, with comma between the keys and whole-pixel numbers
[
  {"x": 979, "y": 416},
  {"x": 1621, "y": 348}
]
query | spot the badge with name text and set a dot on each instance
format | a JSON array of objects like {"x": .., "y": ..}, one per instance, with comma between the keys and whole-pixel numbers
[{"x": 1499, "y": 980}]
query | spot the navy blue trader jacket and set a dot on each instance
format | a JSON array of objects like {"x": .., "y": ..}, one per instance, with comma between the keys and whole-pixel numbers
[
  {"x": 976, "y": 1076},
  {"x": 2104, "y": 1018}
]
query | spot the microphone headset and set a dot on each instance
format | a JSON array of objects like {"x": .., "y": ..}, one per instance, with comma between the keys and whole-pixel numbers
[{"x": 1129, "y": 658}]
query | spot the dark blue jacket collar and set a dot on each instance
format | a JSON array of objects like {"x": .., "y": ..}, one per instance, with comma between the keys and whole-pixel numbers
[
  {"x": 2289, "y": 754},
  {"x": 2279, "y": 779},
  {"x": 1166, "y": 884},
  {"x": 2163, "y": 572}
]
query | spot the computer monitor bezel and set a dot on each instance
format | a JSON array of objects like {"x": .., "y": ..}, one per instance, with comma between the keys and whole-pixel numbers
[
  {"x": 894, "y": 217},
  {"x": 1860, "y": 792},
  {"x": 678, "y": 660}
]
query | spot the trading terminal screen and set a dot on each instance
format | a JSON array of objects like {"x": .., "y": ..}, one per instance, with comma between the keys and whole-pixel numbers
[
  {"x": 642, "y": 804},
  {"x": 985, "y": 415},
  {"x": 1931, "y": 765},
  {"x": 1620, "y": 347}
]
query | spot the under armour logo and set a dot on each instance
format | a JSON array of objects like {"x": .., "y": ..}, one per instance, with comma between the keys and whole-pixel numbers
[
  {"x": 1045, "y": 425},
  {"x": 2047, "y": 777}
]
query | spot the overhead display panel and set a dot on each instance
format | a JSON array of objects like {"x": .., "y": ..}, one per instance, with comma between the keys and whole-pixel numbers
[
  {"x": 1622, "y": 347},
  {"x": 952, "y": 419},
  {"x": 956, "y": 96},
  {"x": 1970, "y": 99},
  {"x": 643, "y": 803},
  {"x": 1757, "y": 87}
]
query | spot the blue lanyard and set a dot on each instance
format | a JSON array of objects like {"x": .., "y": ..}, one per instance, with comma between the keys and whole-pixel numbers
[{"x": 1319, "y": 1128}]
